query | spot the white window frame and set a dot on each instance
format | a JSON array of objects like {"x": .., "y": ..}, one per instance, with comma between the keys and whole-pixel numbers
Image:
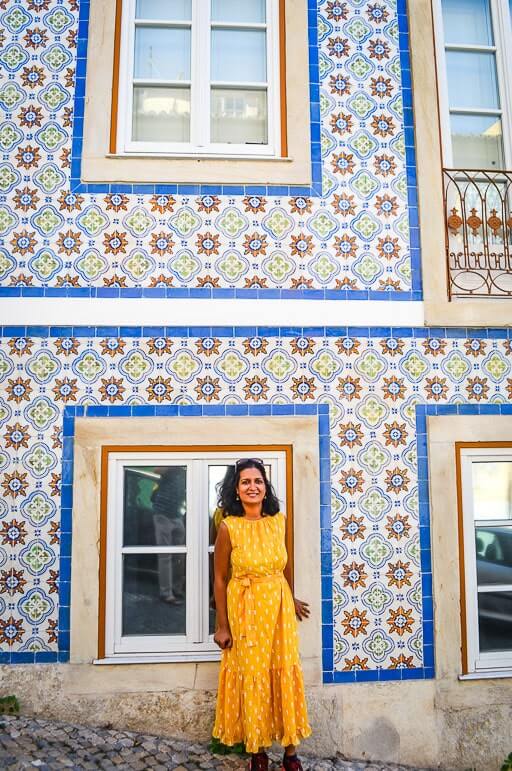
[
  {"x": 197, "y": 644},
  {"x": 477, "y": 661},
  {"x": 200, "y": 83},
  {"x": 502, "y": 30}
]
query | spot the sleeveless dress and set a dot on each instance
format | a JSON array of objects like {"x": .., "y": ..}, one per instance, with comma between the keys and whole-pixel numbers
[{"x": 261, "y": 690}]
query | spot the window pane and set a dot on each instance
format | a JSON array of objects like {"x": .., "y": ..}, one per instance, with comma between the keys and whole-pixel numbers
[
  {"x": 250, "y": 11},
  {"x": 492, "y": 489},
  {"x": 477, "y": 142},
  {"x": 239, "y": 116},
  {"x": 155, "y": 506},
  {"x": 467, "y": 21},
  {"x": 162, "y": 54},
  {"x": 495, "y": 621},
  {"x": 472, "y": 81},
  {"x": 493, "y": 555},
  {"x": 239, "y": 56},
  {"x": 154, "y": 594},
  {"x": 161, "y": 114},
  {"x": 168, "y": 10}
]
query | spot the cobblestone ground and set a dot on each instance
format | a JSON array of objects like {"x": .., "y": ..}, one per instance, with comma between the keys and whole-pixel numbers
[{"x": 27, "y": 743}]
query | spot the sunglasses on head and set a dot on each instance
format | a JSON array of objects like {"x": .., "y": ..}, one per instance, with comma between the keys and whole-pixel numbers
[{"x": 241, "y": 461}]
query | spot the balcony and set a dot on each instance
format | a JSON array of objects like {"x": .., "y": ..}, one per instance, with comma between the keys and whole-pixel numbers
[{"x": 478, "y": 232}]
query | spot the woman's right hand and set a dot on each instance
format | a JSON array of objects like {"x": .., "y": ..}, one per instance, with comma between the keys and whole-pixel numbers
[{"x": 222, "y": 638}]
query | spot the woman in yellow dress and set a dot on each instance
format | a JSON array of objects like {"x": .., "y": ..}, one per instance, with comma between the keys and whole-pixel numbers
[{"x": 261, "y": 690}]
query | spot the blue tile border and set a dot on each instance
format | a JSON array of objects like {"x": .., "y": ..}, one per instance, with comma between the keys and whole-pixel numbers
[
  {"x": 313, "y": 190},
  {"x": 70, "y": 413},
  {"x": 255, "y": 331},
  {"x": 410, "y": 153},
  {"x": 93, "y": 292}
]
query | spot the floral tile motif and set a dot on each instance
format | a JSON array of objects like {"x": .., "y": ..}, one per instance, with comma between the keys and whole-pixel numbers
[
  {"x": 356, "y": 236},
  {"x": 372, "y": 382}
]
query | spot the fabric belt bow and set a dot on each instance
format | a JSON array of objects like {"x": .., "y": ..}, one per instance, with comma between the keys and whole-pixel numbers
[{"x": 248, "y": 620}]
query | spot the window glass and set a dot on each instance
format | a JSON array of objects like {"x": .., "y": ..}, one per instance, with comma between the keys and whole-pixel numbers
[
  {"x": 162, "y": 54},
  {"x": 161, "y": 114},
  {"x": 249, "y": 11},
  {"x": 477, "y": 141},
  {"x": 495, "y": 621},
  {"x": 239, "y": 56},
  {"x": 168, "y": 84},
  {"x": 467, "y": 22},
  {"x": 472, "y": 81},
  {"x": 493, "y": 555},
  {"x": 492, "y": 490},
  {"x": 239, "y": 116},
  {"x": 154, "y": 594},
  {"x": 155, "y": 503},
  {"x": 164, "y": 10}
]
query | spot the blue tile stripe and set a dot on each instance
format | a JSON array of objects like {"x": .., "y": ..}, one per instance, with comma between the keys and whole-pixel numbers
[
  {"x": 205, "y": 293},
  {"x": 419, "y": 333},
  {"x": 313, "y": 190}
]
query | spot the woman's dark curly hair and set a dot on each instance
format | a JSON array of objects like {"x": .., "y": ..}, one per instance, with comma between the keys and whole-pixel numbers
[{"x": 227, "y": 495}]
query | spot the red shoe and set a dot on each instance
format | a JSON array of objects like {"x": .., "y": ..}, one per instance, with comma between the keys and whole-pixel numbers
[
  {"x": 258, "y": 762},
  {"x": 291, "y": 763}
]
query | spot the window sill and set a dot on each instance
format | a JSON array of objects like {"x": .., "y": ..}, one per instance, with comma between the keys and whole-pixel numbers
[
  {"x": 160, "y": 658},
  {"x": 198, "y": 157},
  {"x": 487, "y": 674}
]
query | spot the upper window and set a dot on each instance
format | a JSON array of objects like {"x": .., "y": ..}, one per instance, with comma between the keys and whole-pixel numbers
[
  {"x": 476, "y": 63},
  {"x": 199, "y": 77},
  {"x": 158, "y": 532},
  {"x": 486, "y": 484}
]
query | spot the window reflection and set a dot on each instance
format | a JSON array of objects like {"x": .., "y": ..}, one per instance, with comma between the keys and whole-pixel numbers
[
  {"x": 145, "y": 610},
  {"x": 494, "y": 555},
  {"x": 495, "y": 621},
  {"x": 492, "y": 490},
  {"x": 155, "y": 511},
  {"x": 154, "y": 584}
]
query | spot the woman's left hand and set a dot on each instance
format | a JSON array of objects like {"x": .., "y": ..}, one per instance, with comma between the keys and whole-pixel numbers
[{"x": 301, "y": 609}]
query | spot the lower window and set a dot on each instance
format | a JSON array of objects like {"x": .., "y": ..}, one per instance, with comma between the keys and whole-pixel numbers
[
  {"x": 159, "y": 524},
  {"x": 486, "y": 487}
]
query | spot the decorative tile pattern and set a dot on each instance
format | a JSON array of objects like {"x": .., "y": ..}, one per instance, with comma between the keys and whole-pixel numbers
[
  {"x": 353, "y": 235},
  {"x": 376, "y": 583}
]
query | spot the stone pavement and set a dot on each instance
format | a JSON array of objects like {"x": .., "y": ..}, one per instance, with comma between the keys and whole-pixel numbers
[{"x": 28, "y": 743}]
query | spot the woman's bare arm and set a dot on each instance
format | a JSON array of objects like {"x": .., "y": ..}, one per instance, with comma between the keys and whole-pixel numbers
[
  {"x": 301, "y": 607},
  {"x": 221, "y": 560}
]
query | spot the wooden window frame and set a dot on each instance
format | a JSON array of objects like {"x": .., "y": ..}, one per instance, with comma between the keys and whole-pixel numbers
[
  {"x": 110, "y": 646},
  {"x": 277, "y": 145},
  {"x": 474, "y": 662}
]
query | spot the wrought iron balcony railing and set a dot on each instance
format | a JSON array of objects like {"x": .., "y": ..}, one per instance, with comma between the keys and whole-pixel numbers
[{"x": 478, "y": 216}]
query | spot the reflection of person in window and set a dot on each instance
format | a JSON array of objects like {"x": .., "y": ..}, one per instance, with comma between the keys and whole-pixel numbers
[{"x": 168, "y": 500}]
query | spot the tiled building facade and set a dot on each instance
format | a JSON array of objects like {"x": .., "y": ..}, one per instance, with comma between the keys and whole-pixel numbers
[{"x": 362, "y": 361}]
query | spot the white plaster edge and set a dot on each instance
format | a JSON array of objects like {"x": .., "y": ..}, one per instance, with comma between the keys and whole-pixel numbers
[{"x": 201, "y": 312}]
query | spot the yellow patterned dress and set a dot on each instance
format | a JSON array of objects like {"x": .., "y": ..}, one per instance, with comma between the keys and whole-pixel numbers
[{"x": 261, "y": 689}]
